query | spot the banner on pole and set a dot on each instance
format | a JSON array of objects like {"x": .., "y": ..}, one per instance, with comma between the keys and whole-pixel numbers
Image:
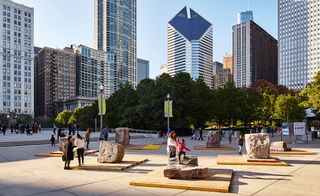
[
  {"x": 103, "y": 102},
  {"x": 299, "y": 128},
  {"x": 168, "y": 109}
]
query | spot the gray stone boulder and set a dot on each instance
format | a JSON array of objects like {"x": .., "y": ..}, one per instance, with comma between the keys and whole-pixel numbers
[
  {"x": 122, "y": 136},
  {"x": 190, "y": 160},
  {"x": 110, "y": 152},
  {"x": 185, "y": 172},
  {"x": 213, "y": 139},
  {"x": 257, "y": 145},
  {"x": 279, "y": 146}
]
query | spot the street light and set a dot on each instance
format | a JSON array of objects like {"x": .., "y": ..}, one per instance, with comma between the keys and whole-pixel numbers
[
  {"x": 168, "y": 113},
  {"x": 101, "y": 119}
]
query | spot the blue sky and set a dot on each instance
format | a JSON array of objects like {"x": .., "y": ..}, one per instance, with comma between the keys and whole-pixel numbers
[{"x": 59, "y": 23}]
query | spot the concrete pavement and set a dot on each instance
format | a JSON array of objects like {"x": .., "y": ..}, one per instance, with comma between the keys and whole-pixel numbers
[{"x": 23, "y": 174}]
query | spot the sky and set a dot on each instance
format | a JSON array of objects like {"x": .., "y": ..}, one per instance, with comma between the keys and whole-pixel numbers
[{"x": 60, "y": 23}]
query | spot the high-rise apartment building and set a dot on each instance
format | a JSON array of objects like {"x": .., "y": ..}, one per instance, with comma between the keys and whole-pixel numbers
[
  {"x": 222, "y": 77},
  {"x": 217, "y": 66},
  {"x": 115, "y": 26},
  {"x": 190, "y": 45},
  {"x": 244, "y": 16},
  {"x": 163, "y": 69},
  {"x": 142, "y": 70},
  {"x": 16, "y": 58},
  {"x": 299, "y": 45},
  {"x": 92, "y": 70},
  {"x": 255, "y": 55},
  {"x": 228, "y": 63},
  {"x": 55, "y": 79}
]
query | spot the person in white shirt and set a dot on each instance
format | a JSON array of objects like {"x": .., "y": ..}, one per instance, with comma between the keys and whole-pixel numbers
[
  {"x": 172, "y": 144},
  {"x": 79, "y": 142}
]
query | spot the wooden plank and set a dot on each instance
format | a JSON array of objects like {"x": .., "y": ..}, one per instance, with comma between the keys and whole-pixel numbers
[
  {"x": 124, "y": 165},
  {"x": 213, "y": 148},
  {"x": 293, "y": 152},
  {"x": 217, "y": 180},
  {"x": 240, "y": 160}
]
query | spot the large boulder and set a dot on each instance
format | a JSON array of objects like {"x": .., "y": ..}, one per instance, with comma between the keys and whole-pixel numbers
[
  {"x": 110, "y": 152},
  {"x": 183, "y": 172},
  {"x": 122, "y": 136},
  {"x": 190, "y": 160},
  {"x": 257, "y": 145},
  {"x": 279, "y": 146},
  {"x": 213, "y": 139}
]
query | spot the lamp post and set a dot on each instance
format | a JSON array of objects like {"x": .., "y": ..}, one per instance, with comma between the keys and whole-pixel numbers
[
  {"x": 101, "y": 119},
  {"x": 168, "y": 114}
]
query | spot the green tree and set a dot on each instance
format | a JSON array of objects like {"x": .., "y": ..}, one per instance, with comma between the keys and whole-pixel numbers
[
  {"x": 182, "y": 100},
  {"x": 24, "y": 119},
  {"x": 312, "y": 94},
  {"x": 288, "y": 106},
  {"x": 63, "y": 118},
  {"x": 120, "y": 106},
  {"x": 249, "y": 103},
  {"x": 200, "y": 103},
  {"x": 74, "y": 118},
  {"x": 226, "y": 104}
]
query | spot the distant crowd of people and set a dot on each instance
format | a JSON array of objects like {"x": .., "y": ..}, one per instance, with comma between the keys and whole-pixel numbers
[{"x": 22, "y": 128}]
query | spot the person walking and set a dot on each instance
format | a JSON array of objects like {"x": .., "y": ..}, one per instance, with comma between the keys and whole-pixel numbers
[
  {"x": 79, "y": 142},
  {"x": 54, "y": 130},
  {"x": 172, "y": 145},
  {"x": 200, "y": 134},
  {"x": 59, "y": 133},
  {"x": 53, "y": 140},
  {"x": 230, "y": 136},
  {"x": 68, "y": 153},
  {"x": 87, "y": 137},
  {"x": 240, "y": 143},
  {"x": 11, "y": 127}
]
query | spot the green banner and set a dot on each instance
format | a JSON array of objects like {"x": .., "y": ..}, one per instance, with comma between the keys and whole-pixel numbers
[
  {"x": 104, "y": 105},
  {"x": 168, "y": 109}
]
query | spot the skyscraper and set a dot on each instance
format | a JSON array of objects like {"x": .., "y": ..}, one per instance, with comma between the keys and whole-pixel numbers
[
  {"x": 142, "y": 70},
  {"x": 217, "y": 66},
  {"x": 190, "y": 45},
  {"x": 244, "y": 16},
  {"x": 228, "y": 63},
  {"x": 115, "y": 24},
  {"x": 16, "y": 58},
  {"x": 255, "y": 54},
  {"x": 299, "y": 45},
  {"x": 55, "y": 79}
]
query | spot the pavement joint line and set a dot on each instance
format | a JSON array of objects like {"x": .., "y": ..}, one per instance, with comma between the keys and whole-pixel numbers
[
  {"x": 70, "y": 187},
  {"x": 304, "y": 165}
]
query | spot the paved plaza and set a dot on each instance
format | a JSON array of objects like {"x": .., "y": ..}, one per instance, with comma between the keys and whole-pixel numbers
[{"x": 21, "y": 173}]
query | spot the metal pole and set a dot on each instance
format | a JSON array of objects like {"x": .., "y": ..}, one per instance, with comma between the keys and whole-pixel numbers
[
  {"x": 168, "y": 120},
  {"x": 101, "y": 125}
]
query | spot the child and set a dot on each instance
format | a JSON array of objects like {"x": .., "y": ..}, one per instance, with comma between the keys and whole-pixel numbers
[
  {"x": 240, "y": 144},
  {"x": 53, "y": 140},
  {"x": 181, "y": 147}
]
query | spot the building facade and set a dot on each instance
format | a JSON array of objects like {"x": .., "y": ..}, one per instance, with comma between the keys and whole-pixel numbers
[
  {"x": 92, "y": 70},
  {"x": 222, "y": 77},
  {"x": 55, "y": 79},
  {"x": 16, "y": 58},
  {"x": 163, "y": 69},
  {"x": 228, "y": 62},
  {"x": 142, "y": 70},
  {"x": 245, "y": 17},
  {"x": 299, "y": 45},
  {"x": 255, "y": 55},
  {"x": 217, "y": 66},
  {"x": 190, "y": 45},
  {"x": 115, "y": 27}
]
